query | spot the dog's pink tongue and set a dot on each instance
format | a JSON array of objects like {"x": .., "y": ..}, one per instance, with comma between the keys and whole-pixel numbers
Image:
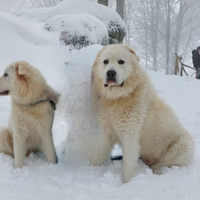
[{"x": 111, "y": 81}]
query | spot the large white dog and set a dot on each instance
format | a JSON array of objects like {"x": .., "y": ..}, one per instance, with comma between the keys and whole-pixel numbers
[
  {"x": 32, "y": 111},
  {"x": 129, "y": 112}
]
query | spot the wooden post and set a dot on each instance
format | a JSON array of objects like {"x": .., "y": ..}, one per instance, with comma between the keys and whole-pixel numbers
[
  {"x": 176, "y": 71},
  {"x": 182, "y": 68},
  {"x": 185, "y": 71},
  {"x": 181, "y": 74}
]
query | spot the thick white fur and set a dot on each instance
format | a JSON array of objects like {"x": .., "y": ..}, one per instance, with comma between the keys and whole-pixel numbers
[
  {"x": 30, "y": 124},
  {"x": 134, "y": 116}
]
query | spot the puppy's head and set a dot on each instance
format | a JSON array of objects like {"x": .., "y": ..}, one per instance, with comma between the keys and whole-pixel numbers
[
  {"x": 22, "y": 81},
  {"x": 114, "y": 68},
  {"x": 14, "y": 75}
]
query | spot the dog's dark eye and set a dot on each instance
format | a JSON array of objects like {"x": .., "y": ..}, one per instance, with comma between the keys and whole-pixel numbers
[
  {"x": 121, "y": 62},
  {"x": 5, "y": 74},
  {"x": 106, "y": 62}
]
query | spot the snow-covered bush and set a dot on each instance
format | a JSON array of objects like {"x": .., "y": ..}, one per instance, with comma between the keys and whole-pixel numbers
[
  {"x": 116, "y": 32},
  {"x": 78, "y": 30},
  {"x": 113, "y": 22},
  {"x": 75, "y": 40}
]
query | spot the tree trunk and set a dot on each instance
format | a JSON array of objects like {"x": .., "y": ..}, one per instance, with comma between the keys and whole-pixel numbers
[
  {"x": 176, "y": 71},
  {"x": 127, "y": 20},
  {"x": 168, "y": 28},
  {"x": 120, "y": 8},
  {"x": 154, "y": 5},
  {"x": 103, "y": 2},
  {"x": 179, "y": 26}
]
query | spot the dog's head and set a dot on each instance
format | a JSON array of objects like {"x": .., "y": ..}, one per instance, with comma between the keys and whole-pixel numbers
[
  {"x": 22, "y": 81},
  {"x": 114, "y": 69}
]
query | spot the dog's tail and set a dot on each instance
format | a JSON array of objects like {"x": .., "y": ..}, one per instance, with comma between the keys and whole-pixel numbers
[{"x": 52, "y": 94}]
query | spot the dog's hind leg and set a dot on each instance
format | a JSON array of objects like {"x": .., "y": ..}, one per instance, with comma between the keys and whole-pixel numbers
[
  {"x": 6, "y": 142},
  {"x": 180, "y": 154}
]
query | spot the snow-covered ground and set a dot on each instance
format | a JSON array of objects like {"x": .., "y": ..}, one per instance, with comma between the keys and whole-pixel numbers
[{"x": 72, "y": 178}]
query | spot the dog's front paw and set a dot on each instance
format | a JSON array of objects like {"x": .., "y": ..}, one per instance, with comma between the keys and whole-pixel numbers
[
  {"x": 127, "y": 179},
  {"x": 96, "y": 158},
  {"x": 93, "y": 159},
  {"x": 127, "y": 176},
  {"x": 18, "y": 165}
]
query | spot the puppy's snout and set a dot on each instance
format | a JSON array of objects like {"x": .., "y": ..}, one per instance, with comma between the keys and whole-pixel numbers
[{"x": 111, "y": 73}]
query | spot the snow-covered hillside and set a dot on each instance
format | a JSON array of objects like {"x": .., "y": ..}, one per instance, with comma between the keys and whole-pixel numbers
[{"x": 72, "y": 178}]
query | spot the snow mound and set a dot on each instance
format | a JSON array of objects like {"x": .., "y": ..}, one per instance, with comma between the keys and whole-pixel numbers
[
  {"x": 78, "y": 25},
  {"x": 112, "y": 21},
  {"x": 18, "y": 27},
  {"x": 77, "y": 96}
]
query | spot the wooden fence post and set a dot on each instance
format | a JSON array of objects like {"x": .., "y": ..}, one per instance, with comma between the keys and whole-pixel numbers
[
  {"x": 182, "y": 66},
  {"x": 181, "y": 74},
  {"x": 176, "y": 71}
]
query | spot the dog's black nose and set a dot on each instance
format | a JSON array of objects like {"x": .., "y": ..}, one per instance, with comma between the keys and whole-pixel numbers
[{"x": 111, "y": 73}]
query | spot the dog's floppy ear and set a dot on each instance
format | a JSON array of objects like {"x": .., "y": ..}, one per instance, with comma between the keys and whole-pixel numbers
[
  {"x": 99, "y": 54},
  {"x": 133, "y": 52},
  {"x": 22, "y": 69}
]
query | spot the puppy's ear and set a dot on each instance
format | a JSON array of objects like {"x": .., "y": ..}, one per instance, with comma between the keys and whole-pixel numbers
[
  {"x": 133, "y": 52},
  {"x": 23, "y": 70}
]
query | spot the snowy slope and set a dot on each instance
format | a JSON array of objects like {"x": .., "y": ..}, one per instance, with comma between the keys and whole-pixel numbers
[
  {"x": 12, "y": 25},
  {"x": 72, "y": 178}
]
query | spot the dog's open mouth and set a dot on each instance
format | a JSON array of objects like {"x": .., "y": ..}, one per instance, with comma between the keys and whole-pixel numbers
[
  {"x": 111, "y": 79},
  {"x": 4, "y": 93},
  {"x": 113, "y": 83}
]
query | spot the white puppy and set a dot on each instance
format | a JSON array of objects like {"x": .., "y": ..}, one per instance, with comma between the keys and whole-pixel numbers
[
  {"x": 129, "y": 112},
  {"x": 32, "y": 111}
]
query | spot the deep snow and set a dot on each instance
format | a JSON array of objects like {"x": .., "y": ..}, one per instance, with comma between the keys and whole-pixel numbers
[{"x": 72, "y": 178}]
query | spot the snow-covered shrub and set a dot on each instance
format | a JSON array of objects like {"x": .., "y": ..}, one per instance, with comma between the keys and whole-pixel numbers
[
  {"x": 113, "y": 22},
  {"x": 78, "y": 30},
  {"x": 74, "y": 40},
  {"x": 116, "y": 33}
]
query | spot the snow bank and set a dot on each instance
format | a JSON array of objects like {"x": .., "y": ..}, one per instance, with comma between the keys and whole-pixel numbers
[{"x": 113, "y": 22}]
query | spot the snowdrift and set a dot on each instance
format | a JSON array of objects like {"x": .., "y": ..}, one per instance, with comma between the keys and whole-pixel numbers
[{"x": 112, "y": 21}]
